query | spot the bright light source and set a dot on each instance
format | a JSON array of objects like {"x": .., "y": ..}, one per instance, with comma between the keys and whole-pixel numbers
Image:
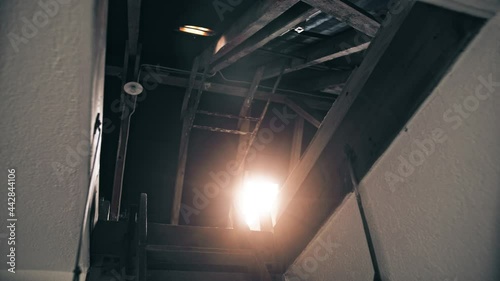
[
  {"x": 257, "y": 197},
  {"x": 197, "y": 30}
]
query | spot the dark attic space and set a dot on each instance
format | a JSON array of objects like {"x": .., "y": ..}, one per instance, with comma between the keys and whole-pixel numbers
[{"x": 240, "y": 140}]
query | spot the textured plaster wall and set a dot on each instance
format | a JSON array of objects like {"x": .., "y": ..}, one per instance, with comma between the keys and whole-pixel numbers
[
  {"x": 439, "y": 219},
  {"x": 338, "y": 252},
  {"x": 47, "y": 112},
  {"x": 432, "y": 200}
]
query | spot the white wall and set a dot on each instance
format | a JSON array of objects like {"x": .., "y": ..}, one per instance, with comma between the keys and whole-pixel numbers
[
  {"x": 47, "y": 110},
  {"x": 338, "y": 251},
  {"x": 439, "y": 220}
]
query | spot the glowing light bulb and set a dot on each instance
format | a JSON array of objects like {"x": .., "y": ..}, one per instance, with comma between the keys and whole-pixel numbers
[{"x": 257, "y": 197}]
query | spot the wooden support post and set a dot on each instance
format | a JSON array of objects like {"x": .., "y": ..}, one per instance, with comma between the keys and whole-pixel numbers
[
  {"x": 245, "y": 108},
  {"x": 132, "y": 55},
  {"x": 134, "y": 16},
  {"x": 127, "y": 106},
  {"x": 184, "y": 143},
  {"x": 244, "y": 126},
  {"x": 189, "y": 89},
  {"x": 298, "y": 135},
  {"x": 243, "y": 153}
]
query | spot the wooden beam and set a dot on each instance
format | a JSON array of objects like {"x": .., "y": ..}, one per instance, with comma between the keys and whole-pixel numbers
[
  {"x": 339, "y": 109},
  {"x": 237, "y": 91},
  {"x": 221, "y": 130},
  {"x": 193, "y": 261},
  {"x": 245, "y": 108},
  {"x": 303, "y": 113},
  {"x": 244, "y": 125},
  {"x": 403, "y": 65},
  {"x": 181, "y": 170},
  {"x": 259, "y": 15},
  {"x": 189, "y": 89},
  {"x": 183, "y": 148},
  {"x": 197, "y": 276},
  {"x": 219, "y": 88},
  {"x": 244, "y": 140},
  {"x": 121, "y": 153},
  {"x": 478, "y": 8},
  {"x": 205, "y": 237},
  {"x": 225, "y": 115},
  {"x": 298, "y": 136},
  {"x": 131, "y": 69},
  {"x": 317, "y": 104},
  {"x": 134, "y": 18},
  {"x": 344, "y": 11},
  {"x": 295, "y": 16},
  {"x": 174, "y": 256},
  {"x": 341, "y": 45}
]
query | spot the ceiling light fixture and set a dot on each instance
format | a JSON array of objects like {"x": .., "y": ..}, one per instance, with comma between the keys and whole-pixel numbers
[{"x": 197, "y": 30}]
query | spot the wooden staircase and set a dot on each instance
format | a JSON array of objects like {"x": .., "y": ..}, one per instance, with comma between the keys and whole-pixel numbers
[{"x": 159, "y": 252}]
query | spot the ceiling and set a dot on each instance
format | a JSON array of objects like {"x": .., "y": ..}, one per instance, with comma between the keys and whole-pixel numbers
[
  {"x": 315, "y": 70},
  {"x": 161, "y": 41}
]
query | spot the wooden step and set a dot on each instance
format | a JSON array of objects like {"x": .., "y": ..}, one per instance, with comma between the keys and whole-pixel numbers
[
  {"x": 200, "y": 259},
  {"x": 209, "y": 237},
  {"x": 208, "y": 248},
  {"x": 161, "y": 275}
]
